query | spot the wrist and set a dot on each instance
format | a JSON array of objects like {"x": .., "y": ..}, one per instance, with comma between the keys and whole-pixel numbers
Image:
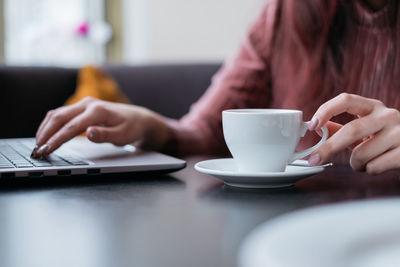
[{"x": 156, "y": 131}]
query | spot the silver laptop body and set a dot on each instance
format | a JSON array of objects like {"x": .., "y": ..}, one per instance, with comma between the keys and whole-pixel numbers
[{"x": 79, "y": 156}]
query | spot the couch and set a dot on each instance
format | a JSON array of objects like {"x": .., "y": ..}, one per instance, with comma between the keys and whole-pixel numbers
[{"x": 27, "y": 93}]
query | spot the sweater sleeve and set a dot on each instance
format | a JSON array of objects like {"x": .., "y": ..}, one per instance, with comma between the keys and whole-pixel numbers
[{"x": 242, "y": 82}]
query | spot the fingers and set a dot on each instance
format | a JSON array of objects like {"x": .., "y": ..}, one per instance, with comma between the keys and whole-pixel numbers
[
  {"x": 333, "y": 127},
  {"x": 115, "y": 135},
  {"x": 373, "y": 117},
  {"x": 346, "y": 136},
  {"x": 348, "y": 103},
  {"x": 71, "y": 129},
  {"x": 55, "y": 119},
  {"x": 385, "y": 162},
  {"x": 44, "y": 123},
  {"x": 115, "y": 123},
  {"x": 374, "y": 147}
]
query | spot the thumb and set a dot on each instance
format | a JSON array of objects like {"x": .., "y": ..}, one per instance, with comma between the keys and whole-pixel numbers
[{"x": 102, "y": 134}]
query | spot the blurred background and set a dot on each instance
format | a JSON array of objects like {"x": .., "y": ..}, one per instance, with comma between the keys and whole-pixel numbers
[{"x": 77, "y": 32}]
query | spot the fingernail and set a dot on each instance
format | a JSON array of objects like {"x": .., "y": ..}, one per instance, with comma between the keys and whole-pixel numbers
[
  {"x": 33, "y": 154},
  {"x": 42, "y": 150},
  {"x": 92, "y": 134},
  {"x": 314, "y": 160},
  {"x": 313, "y": 124}
]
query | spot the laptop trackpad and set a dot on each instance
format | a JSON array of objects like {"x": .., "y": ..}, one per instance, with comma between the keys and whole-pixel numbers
[{"x": 85, "y": 149}]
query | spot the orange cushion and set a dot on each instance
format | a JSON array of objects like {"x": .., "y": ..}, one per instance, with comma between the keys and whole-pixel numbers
[{"x": 94, "y": 82}]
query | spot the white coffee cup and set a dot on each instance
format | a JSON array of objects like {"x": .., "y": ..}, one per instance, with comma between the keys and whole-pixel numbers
[{"x": 264, "y": 140}]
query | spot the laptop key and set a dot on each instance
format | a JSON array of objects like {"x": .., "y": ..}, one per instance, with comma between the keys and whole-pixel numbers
[
  {"x": 42, "y": 164},
  {"x": 60, "y": 163},
  {"x": 19, "y": 161},
  {"x": 73, "y": 160},
  {"x": 25, "y": 165},
  {"x": 39, "y": 160},
  {"x": 78, "y": 163}
]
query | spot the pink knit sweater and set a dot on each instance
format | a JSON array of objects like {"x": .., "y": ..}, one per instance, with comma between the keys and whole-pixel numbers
[{"x": 248, "y": 79}]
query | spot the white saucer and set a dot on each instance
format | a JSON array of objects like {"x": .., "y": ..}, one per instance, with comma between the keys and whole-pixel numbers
[
  {"x": 356, "y": 234},
  {"x": 227, "y": 171}
]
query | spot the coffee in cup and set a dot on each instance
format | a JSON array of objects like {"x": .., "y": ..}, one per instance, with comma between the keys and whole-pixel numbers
[{"x": 264, "y": 140}]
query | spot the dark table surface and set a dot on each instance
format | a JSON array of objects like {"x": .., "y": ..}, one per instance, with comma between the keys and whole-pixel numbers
[{"x": 181, "y": 219}]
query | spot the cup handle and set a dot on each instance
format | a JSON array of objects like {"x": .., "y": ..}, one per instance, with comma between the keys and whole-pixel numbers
[{"x": 301, "y": 154}]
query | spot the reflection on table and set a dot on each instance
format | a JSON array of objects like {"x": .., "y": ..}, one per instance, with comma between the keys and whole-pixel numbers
[{"x": 182, "y": 219}]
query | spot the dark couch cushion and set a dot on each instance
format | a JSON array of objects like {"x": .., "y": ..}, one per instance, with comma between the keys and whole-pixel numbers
[
  {"x": 27, "y": 93},
  {"x": 166, "y": 89}
]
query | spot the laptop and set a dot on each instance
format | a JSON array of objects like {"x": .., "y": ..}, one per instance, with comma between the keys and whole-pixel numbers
[{"x": 79, "y": 156}]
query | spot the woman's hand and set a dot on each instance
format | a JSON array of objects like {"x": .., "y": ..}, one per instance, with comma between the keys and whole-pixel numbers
[
  {"x": 374, "y": 136},
  {"x": 103, "y": 121}
]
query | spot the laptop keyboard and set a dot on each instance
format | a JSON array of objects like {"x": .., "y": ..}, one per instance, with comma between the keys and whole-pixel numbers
[{"x": 17, "y": 155}]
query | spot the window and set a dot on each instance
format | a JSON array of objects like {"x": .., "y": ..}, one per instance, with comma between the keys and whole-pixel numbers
[{"x": 55, "y": 32}]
